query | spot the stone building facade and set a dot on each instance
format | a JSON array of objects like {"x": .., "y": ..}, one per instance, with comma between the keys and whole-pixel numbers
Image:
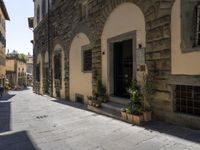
[
  {"x": 29, "y": 69},
  {"x": 16, "y": 72},
  {"x": 76, "y": 42},
  {"x": 3, "y": 17}
]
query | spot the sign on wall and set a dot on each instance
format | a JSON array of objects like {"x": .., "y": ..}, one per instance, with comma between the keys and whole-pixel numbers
[{"x": 140, "y": 56}]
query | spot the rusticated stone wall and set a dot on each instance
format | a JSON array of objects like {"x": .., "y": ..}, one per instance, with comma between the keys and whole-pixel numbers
[{"x": 65, "y": 22}]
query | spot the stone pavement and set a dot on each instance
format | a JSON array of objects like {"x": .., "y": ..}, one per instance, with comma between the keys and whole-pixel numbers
[{"x": 33, "y": 122}]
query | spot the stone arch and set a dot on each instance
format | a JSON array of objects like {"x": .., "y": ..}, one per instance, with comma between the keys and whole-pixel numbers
[
  {"x": 58, "y": 74},
  {"x": 83, "y": 28},
  {"x": 125, "y": 22},
  {"x": 146, "y": 6},
  {"x": 80, "y": 82}
]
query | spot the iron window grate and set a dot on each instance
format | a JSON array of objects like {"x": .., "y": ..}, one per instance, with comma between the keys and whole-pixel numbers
[
  {"x": 87, "y": 60},
  {"x": 187, "y": 99}
]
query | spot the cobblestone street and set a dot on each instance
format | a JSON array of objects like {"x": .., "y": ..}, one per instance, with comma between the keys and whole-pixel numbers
[{"x": 33, "y": 122}]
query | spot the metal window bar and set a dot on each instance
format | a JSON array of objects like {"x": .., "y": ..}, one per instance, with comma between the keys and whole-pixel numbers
[
  {"x": 87, "y": 66},
  {"x": 187, "y": 99}
]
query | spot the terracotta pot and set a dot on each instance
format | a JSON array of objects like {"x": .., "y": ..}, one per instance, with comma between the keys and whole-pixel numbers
[
  {"x": 124, "y": 115},
  {"x": 90, "y": 102},
  {"x": 147, "y": 115},
  {"x": 130, "y": 118},
  {"x": 97, "y": 105},
  {"x": 138, "y": 119}
]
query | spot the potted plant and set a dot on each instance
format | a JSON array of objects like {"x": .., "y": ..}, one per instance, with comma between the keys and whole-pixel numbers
[
  {"x": 93, "y": 101},
  {"x": 90, "y": 100},
  {"x": 135, "y": 103},
  {"x": 138, "y": 117},
  {"x": 129, "y": 113},
  {"x": 101, "y": 92},
  {"x": 123, "y": 113}
]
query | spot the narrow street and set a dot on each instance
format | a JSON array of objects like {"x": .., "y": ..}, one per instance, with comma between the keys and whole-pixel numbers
[{"x": 33, "y": 122}]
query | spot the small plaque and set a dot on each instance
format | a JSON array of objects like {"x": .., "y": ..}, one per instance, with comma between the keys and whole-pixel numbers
[{"x": 140, "y": 56}]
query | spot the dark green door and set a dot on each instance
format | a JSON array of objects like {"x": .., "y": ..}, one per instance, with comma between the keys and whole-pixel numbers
[{"x": 123, "y": 67}]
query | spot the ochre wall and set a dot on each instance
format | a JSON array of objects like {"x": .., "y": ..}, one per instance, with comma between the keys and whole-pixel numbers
[
  {"x": 10, "y": 65},
  {"x": 2, "y": 48},
  {"x": 182, "y": 63},
  {"x": 125, "y": 18},
  {"x": 80, "y": 82}
]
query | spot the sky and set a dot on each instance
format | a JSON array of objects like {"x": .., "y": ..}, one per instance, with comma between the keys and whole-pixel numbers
[{"x": 18, "y": 34}]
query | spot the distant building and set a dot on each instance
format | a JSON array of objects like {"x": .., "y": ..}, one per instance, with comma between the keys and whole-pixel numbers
[
  {"x": 29, "y": 69},
  {"x": 16, "y": 71},
  {"x": 29, "y": 64},
  {"x": 3, "y": 16}
]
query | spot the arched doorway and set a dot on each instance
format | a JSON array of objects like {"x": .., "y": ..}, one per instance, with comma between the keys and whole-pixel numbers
[
  {"x": 123, "y": 33},
  {"x": 80, "y": 68},
  {"x": 39, "y": 75},
  {"x": 58, "y": 72}
]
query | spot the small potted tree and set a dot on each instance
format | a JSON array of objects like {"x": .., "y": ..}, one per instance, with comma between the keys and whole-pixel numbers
[
  {"x": 129, "y": 113},
  {"x": 135, "y": 103},
  {"x": 93, "y": 101}
]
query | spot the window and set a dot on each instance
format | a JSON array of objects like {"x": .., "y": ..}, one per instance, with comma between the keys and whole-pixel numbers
[
  {"x": 190, "y": 25},
  {"x": 87, "y": 60},
  {"x": 187, "y": 99},
  {"x": 197, "y": 34},
  {"x": 55, "y": 30},
  {"x": 43, "y": 8},
  {"x": 37, "y": 72},
  {"x": 38, "y": 14},
  {"x": 57, "y": 66},
  {"x": 84, "y": 9}
]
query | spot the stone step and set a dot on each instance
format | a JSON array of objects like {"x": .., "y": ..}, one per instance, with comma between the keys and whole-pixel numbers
[
  {"x": 106, "y": 111},
  {"x": 119, "y": 100},
  {"x": 113, "y": 106}
]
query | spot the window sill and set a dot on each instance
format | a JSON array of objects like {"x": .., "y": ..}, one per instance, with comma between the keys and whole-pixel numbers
[
  {"x": 87, "y": 71},
  {"x": 192, "y": 49}
]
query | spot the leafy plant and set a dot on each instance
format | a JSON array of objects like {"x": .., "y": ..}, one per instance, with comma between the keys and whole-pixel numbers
[
  {"x": 92, "y": 98},
  {"x": 123, "y": 109},
  {"x": 18, "y": 56},
  {"x": 135, "y": 105},
  {"x": 94, "y": 101}
]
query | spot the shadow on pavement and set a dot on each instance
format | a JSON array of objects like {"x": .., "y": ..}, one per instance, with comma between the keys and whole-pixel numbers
[
  {"x": 71, "y": 104},
  {"x": 6, "y": 97},
  {"x": 5, "y": 113},
  {"x": 161, "y": 127},
  {"x": 17, "y": 141},
  {"x": 174, "y": 130}
]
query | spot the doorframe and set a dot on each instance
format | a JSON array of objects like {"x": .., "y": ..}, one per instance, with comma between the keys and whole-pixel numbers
[{"x": 110, "y": 57}]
